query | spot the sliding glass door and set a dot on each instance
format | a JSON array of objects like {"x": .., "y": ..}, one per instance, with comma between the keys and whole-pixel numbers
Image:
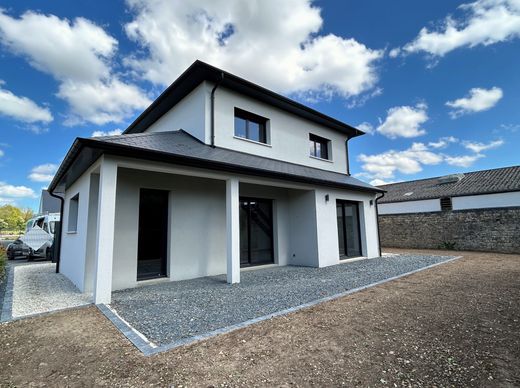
[
  {"x": 256, "y": 231},
  {"x": 349, "y": 235}
]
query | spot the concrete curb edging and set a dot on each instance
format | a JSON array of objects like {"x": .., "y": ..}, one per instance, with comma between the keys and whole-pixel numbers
[{"x": 148, "y": 348}]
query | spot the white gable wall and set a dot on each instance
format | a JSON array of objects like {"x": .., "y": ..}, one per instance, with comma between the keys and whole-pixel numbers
[{"x": 190, "y": 114}]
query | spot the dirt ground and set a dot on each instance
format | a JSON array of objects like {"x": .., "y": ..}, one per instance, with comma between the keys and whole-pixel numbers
[{"x": 454, "y": 325}]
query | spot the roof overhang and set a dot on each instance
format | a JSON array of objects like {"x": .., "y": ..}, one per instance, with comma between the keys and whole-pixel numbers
[
  {"x": 84, "y": 152},
  {"x": 200, "y": 71}
]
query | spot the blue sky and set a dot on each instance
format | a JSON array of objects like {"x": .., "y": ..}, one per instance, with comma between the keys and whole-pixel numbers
[{"x": 437, "y": 84}]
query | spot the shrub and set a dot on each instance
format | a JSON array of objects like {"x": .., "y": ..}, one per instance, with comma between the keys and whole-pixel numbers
[
  {"x": 3, "y": 261},
  {"x": 448, "y": 245}
]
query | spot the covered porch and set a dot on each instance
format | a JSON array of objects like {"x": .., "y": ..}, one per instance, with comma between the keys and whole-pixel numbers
[{"x": 146, "y": 222}]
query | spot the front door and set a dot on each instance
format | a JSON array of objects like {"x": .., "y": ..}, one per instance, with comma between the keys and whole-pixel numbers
[
  {"x": 256, "y": 232},
  {"x": 152, "y": 241},
  {"x": 348, "y": 229}
]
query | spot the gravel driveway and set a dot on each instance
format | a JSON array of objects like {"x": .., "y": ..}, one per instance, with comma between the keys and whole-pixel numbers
[
  {"x": 173, "y": 311},
  {"x": 37, "y": 288}
]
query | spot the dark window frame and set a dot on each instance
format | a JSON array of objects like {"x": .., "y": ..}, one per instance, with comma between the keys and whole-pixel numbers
[
  {"x": 249, "y": 117},
  {"x": 344, "y": 202},
  {"x": 324, "y": 152}
]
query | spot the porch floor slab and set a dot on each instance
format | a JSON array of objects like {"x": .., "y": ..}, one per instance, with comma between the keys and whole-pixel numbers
[{"x": 170, "y": 312}]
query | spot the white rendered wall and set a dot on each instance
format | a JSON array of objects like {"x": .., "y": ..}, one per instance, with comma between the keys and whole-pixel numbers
[
  {"x": 73, "y": 245},
  {"x": 190, "y": 114},
  {"x": 486, "y": 201},
  {"x": 288, "y": 133},
  {"x": 90, "y": 255},
  {"x": 328, "y": 244},
  {"x": 303, "y": 230},
  {"x": 424, "y": 206}
]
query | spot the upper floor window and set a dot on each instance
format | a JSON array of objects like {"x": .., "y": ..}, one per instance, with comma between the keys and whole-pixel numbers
[
  {"x": 250, "y": 126},
  {"x": 319, "y": 147}
]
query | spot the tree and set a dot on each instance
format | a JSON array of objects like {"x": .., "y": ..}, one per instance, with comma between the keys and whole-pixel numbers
[{"x": 14, "y": 218}]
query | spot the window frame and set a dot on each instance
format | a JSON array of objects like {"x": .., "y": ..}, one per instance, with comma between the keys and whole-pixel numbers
[
  {"x": 72, "y": 222},
  {"x": 325, "y": 145},
  {"x": 249, "y": 117}
]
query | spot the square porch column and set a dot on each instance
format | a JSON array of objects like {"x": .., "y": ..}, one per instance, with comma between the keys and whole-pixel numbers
[
  {"x": 233, "y": 230},
  {"x": 105, "y": 231}
]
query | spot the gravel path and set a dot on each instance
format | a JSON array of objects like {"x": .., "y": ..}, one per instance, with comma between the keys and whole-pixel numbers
[
  {"x": 171, "y": 311},
  {"x": 38, "y": 289}
]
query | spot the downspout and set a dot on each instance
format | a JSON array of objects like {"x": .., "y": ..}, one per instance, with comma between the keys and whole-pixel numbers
[
  {"x": 348, "y": 157},
  {"x": 217, "y": 84},
  {"x": 378, "y": 230},
  {"x": 57, "y": 239}
]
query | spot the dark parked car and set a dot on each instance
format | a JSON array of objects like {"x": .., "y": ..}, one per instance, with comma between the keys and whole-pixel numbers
[{"x": 18, "y": 249}]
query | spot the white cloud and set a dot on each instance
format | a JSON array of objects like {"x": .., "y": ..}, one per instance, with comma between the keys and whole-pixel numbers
[
  {"x": 409, "y": 161},
  {"x": 478, "y": 100},
  {"x": 379, "y": 182},
  {"x": 22, "y": 108},
  {"x": 43, "y": 172},
  {"x": 366, "y": 127},
  {"x": 443, "y": 142},
  {"x": 463, "y": 161},
  {"x": 274, "y": 43},
  {"x": 485, "y": 22},
  {"x": 80, "y": 55},
  {"x": 479, "y": 147},
  {"x": 107, "y": 133},
  {"x": 404, "y": 121},
  {"x": 1, "y": 153},
  {"x": 10, "y": 191}
]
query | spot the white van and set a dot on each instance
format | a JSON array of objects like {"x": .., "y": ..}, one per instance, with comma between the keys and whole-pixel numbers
[{"x": 46, "y": 222}]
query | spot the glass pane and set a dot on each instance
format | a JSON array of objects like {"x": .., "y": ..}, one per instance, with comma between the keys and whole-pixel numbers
[
  {"x": 261, "y": 232},
  {"x": 253, "y": 131},
  {"x": 324, "y": 154},
  {"x": 240, "y": 127},
  {"x": 352, "y": 229},
  {"x": 341, "y": 235},
  {"x": 311, "y": 148},
  {"x": 244, "y": 241}
]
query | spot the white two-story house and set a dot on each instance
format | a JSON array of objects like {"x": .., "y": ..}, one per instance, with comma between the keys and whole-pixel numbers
[{"x": 217, "y": 175}]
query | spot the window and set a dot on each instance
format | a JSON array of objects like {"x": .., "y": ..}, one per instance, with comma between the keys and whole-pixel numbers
[
  {"x": 250, "y": 126},
  {"x": 446, "y": 204},
  {"x": 319, "y": 147},
  {"x": 73, "y": 213}
]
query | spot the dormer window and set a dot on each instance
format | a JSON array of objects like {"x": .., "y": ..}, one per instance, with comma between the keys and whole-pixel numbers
[
  {"x": 250, "y": 126},
  {"x": 319, "y": 147}
]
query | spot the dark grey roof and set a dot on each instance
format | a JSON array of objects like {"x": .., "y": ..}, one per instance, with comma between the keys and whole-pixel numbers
[
  {"x": 178, "y": 147},
  {"x": 200, "y": 71},
  {"x": 49, "y": 204},
  {"x": 499, "y": 180}
]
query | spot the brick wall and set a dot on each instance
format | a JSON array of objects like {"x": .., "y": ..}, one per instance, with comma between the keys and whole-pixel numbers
[{"x": 492, "y": 230}]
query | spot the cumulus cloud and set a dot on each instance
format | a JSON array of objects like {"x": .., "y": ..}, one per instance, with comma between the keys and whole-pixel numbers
[
  {"x": 80, "y": 55},
  {"x": 443, "y": 142},
  {"x": 366, "y": 127},
  {"x": 276, "y": 44},
  {"x": 404, "y": 121},
  {"x": 386, "y": 165},
  {"x": 483, "y": 22},
  {"x": 463, "y": 161},
  {"x": 409, "y": 161},
  {"x": 22, "y": 108},
  {"x": 477, "y": 100},
  {"x": 113, "y": 132},
  {"x": 8, "y": 191},
  {"x": 43, "y": 172},
  {"x": 479, "y": 147}
]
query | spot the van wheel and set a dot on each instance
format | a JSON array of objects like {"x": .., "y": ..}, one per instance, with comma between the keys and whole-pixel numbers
[
  {"x": 48, "y": 254},
  {"x": 30, "y": 258}
]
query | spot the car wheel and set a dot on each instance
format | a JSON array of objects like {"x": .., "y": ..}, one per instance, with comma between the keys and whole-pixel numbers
[
  {"x": 30, "y": 258},
  {"x": 48, "y": 254}
]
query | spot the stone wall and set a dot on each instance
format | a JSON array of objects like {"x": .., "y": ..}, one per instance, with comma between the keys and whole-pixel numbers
[{"x": 491, "y": 230}]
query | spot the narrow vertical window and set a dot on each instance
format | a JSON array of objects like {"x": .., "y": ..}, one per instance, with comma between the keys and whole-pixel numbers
[{"x": 73, "y": 214}]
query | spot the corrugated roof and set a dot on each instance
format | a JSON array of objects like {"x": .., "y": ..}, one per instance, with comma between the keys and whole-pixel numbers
[
  {"x": 181, "y": 148},
  {"x": 478, "y": 182}
]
